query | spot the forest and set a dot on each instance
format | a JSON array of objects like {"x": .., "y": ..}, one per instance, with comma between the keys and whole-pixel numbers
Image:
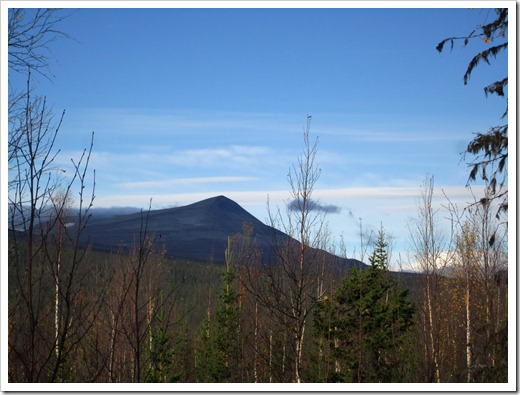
[{"x": 79, "y": 315}]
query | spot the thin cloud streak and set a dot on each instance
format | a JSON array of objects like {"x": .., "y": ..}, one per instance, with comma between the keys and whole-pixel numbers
[
  {"x": 388, "y": 192},
  {"x": 156, "y": 166},
  {"x": 160, "y": 123},
  {"x": 158, "y": 154},
  {"x": 223, "y": 156},
  {"x": 182, "y": 181},
  {"x": 414, "y": 134},
  {"x": 455, "y": 193}
]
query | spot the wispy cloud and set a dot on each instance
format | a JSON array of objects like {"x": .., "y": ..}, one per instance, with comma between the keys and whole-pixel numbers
[
  {"x": 404, "y": 197},
  {"x": 224, "y": 156},
  {"x": 131, "y": 123},
  {"x": 379, "y": 129},
  {"x": 389, "y": 136},
  {"x": 154, "y": 123},
  {"x": 160, "y": 155},
  {"x": 153, "y": 166},
  {"x": 389, "y": 192},
  {"x": 167, "y": 183}
]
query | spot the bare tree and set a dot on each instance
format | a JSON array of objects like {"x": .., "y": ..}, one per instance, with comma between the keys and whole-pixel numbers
[
  {"x": 287, "y": 286},
  {"x": 430, "y": 254},
  {"x": 30, "y": 34},
  {"x": 36, "y": 227},
  {"x": 479, "y": 256},
  {"x": 52, "y": 305},
  {"x": 140, "y": 300},
  {"x": 30, "y": 185}
]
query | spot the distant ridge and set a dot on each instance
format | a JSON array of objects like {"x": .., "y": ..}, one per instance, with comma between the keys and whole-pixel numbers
[{"x": 197, "y": 232}]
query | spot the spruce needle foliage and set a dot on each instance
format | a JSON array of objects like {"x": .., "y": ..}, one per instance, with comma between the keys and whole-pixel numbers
[
  {"x": 365, "y": 322},
  {"x": 489, "y": 149},
  {"x": 219, "y": 351}
]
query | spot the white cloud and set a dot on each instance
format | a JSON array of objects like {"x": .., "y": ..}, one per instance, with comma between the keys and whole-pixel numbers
[
  {"x": 403, "y": 198},
  {"x": 385, "y": 133},
  {"x": 157, "y": 167},
  {"x": 389, "y": 192},
  {"x": 167, "y": 183},
  {"x": 220, "y": 156},
  {"x": 159, "y": 154},
  {"x": 160, "y": 123}
]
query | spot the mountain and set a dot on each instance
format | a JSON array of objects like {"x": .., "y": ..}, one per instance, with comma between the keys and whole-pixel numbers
[{"x": 198, "y": 231}]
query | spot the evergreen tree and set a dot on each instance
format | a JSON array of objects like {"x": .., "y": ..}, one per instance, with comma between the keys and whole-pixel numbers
[
  {"x": 183, "y": 353},
  {"x": 365, "y": 322},
  {"x": 219, "y": 349},
  {"x": 161, "y": 351},
  {"x": 205, "y": 355},
  {"x": 490, "y": 148}
]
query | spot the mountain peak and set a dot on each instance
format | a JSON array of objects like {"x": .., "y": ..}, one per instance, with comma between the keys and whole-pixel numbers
[
  {"x": 198, "y": 231},
  {"x": 220, "y": 199},
  {"x": 219, "y": 203}
]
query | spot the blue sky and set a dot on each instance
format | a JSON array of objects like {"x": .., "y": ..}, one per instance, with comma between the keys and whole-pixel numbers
[{"x": 191, "y": 103}]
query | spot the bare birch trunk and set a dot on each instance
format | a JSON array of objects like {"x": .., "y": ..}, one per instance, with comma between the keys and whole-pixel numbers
[
  {"x": 112, "y": 348},
  {"x": 433, "y": 346},
  {"x": 57, "y": 299},
  {"x": 468, "y": 330},
  {"x": 299, "y": 352}
]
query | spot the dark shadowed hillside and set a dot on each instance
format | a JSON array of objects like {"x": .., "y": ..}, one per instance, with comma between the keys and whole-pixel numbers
[{"x": 198, "y": 231}]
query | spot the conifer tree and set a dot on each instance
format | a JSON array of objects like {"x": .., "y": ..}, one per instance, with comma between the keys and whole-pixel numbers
[
  {"x": 204, "y": 354},
  {"x": 219, "y": 350},
  {"x": 365, "y": 321},
  {"x": 227, "y": 332},
  {"x": 161, "y": 351},
  {"x": 489, "y": 149}
]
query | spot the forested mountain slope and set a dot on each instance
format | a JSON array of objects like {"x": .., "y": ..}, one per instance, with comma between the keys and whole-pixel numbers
[{"x": 198, "y": 231}]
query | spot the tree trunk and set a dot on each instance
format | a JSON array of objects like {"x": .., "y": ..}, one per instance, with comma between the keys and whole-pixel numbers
[
  {"x": 468, "y": 326},
  {"x": 433, "y": 346}
]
